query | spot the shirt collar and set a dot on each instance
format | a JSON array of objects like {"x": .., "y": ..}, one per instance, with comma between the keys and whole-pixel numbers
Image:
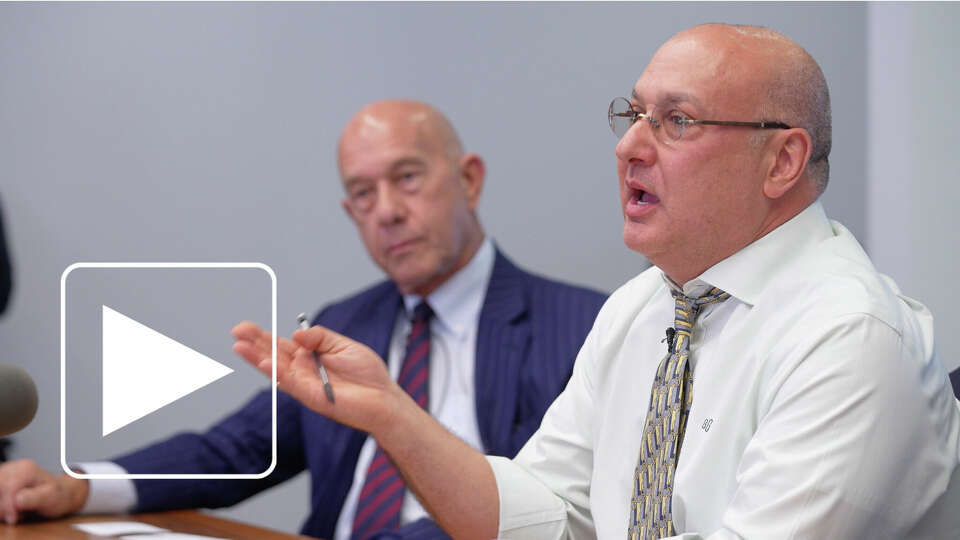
[
  {"x": 456, "y": 303},
  {"x": 746, "y": 273}
]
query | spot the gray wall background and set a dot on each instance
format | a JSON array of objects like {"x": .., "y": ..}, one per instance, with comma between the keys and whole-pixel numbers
[
  {"x": 913, "y": 184},
  {"x": 206, "y": 132}
]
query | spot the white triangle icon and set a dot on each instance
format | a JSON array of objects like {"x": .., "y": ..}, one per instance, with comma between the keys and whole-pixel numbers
[{"x": 144, "y": 370}]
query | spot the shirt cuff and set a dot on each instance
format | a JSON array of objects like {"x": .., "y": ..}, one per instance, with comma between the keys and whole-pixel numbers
[
  {"x": 108, "y": 496},
  {"x": 528, "y": 509}
]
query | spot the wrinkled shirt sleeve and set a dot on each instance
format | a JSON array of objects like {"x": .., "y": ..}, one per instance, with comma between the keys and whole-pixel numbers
[{"x": 545, "y": 490}]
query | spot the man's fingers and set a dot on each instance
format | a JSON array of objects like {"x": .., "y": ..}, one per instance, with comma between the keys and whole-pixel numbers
[
  {"x": 320, "y": 339},
  {"x": 264, "y": 342},
  {"x": 246, "y": 331},
  {"x": 40, "y": 498},
  {"x": 8, "y": 509},
  {"x": 14, "y": 477},
  {"x": 296, "y": 371},
  {"x": 259, "y": 343},
  {"x": 250, "y": 353},
  {"x": 251, "y": 333},
  {"x": 25, "y": 487},
  {"x": 299, "y": 377},
  {"x": 287, "y": 347}
]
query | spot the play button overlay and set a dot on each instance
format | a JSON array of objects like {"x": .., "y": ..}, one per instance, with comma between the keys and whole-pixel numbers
[
  {"x": 144, "y": 370},
  {"x": 146, "y": 357}
]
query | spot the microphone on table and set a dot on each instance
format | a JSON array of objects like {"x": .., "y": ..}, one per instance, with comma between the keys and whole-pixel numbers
[{"x": 18, "y": 399}]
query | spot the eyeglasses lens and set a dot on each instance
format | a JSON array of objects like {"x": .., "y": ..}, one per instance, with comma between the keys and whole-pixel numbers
[{"x": 620, "y": 116}]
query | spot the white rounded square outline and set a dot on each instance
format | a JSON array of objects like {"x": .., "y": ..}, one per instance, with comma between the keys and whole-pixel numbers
[{"x": 63, "y": 368}]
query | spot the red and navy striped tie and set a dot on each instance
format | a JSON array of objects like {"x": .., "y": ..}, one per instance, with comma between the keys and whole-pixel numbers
[{"x": 380, "y": 500}]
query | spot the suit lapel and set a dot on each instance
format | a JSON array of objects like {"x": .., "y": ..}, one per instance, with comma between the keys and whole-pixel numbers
[
  {"x": 374, "y": 328},
  {"x": 503, "y": 335}
]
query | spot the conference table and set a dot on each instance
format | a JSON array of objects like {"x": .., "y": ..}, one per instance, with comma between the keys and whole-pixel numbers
[{"x": 181, "y": 521}]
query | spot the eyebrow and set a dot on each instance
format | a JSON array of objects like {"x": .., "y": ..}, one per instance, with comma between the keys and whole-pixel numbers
[
  {"x": 347, "y": 182},
  {"x": 405, "y": 161},
  {"x": 669, "y": 97},
  {"x": 399, "y": 163}
]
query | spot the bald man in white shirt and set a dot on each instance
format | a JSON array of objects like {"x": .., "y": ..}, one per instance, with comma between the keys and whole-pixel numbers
[{"x": 800, "y": 395}]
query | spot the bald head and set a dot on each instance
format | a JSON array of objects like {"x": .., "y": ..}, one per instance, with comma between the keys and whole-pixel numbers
[
  {"x": 784, "y": 81},
  {"x": 690, "y": 203},
  {"x": 425, "y": 126}
]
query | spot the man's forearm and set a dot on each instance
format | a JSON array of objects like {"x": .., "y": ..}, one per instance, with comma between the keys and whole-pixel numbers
[{"x": 453, "y": 481}]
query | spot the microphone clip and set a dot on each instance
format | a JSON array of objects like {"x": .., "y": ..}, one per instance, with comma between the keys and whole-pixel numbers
[{"x": 671, "y": 334}]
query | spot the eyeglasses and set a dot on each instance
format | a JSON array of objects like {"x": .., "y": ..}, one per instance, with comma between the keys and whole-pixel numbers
[{"x": 622, "y": 116}]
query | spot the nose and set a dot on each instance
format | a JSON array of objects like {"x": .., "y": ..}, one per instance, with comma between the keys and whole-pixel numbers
[
  {"x": 390, "y": 207},
  {"x": 638, "y": 143}
]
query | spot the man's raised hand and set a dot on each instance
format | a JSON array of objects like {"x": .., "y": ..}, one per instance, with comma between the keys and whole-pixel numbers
[{"x": 367, "y": 398}]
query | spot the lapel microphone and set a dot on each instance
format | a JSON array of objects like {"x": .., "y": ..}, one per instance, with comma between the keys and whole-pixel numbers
[{"x": 669, "y": 339}]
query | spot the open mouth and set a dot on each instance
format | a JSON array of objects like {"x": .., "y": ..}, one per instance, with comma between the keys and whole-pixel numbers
[{"x": 640, "y": 196}]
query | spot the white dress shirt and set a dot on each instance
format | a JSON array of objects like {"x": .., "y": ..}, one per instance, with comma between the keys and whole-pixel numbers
[
  {"x": 819, "y": 407},
  {"x": 452, "y": 396}
]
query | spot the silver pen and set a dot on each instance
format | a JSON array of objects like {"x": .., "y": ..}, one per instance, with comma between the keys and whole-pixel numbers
[{"x": 302, "y": 319}]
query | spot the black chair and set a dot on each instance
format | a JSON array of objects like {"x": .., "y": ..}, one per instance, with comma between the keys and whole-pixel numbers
[{"x": 955, "y": 379}]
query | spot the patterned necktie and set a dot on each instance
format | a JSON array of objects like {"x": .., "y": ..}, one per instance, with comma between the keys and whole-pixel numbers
[
  {"x": 651, "y": 514},
  {"x": 381, "y": 498}
]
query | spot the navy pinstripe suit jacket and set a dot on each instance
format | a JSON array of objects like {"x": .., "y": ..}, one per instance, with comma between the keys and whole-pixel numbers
[{"x": 529, "y": 333}]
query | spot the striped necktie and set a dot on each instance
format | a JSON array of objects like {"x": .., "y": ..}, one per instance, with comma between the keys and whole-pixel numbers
[
  {"x": 381, "y": 498},
  {"x": 651, "y": 514}
]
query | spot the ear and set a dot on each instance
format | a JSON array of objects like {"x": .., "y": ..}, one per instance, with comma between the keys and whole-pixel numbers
[
  {"x": 472, "y": 173},
  {"x": 791, "y": 149}
]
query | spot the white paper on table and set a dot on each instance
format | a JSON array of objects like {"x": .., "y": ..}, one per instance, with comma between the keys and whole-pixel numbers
[
  {"x": 168, "y": 536},
  {"x": 115, "y": 528}
]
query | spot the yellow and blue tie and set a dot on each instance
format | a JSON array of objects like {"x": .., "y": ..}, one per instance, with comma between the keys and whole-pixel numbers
[{"x": 651, "y": 516}]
